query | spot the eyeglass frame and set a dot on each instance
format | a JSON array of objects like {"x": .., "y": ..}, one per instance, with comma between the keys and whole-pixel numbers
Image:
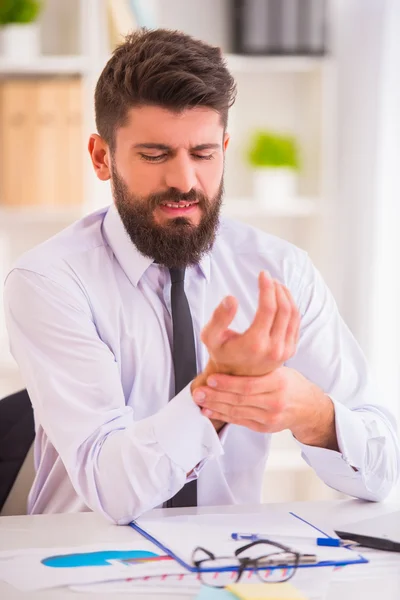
[{"x": 245, "y": 562}]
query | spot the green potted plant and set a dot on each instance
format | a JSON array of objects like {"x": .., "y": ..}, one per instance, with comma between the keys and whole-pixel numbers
[
  {"x": 19, "y": 31},
  {"x": 275, "y": 162}
]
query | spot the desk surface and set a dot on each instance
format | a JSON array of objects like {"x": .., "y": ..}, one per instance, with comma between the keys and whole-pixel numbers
[{"x": 87, "y": 528}]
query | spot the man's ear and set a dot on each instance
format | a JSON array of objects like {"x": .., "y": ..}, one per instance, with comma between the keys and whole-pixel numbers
[
  {"x": 227, "y": 137},
  {"x": 99, "y": 154}
]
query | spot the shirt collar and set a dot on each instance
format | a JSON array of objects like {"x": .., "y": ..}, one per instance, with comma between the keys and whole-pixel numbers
[{"x": 131, "y": 260}]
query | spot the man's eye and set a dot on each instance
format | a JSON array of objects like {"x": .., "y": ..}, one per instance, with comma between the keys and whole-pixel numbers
[
  {"x": 204, "y": 156},
  {"x": 152, "y": 158}
]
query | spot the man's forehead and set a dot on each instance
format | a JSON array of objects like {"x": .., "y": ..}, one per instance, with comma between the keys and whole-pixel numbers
[{"x": 156, "y": 121}]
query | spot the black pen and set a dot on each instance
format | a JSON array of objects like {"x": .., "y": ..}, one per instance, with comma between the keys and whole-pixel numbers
[{"x": 368, "y": 541}]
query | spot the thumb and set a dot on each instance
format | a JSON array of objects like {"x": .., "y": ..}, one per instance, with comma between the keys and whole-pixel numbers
[{"x": 213, "y": 334}]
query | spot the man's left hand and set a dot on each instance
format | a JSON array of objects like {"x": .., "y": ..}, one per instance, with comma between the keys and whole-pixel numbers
[{"x": 282, "y": 399}]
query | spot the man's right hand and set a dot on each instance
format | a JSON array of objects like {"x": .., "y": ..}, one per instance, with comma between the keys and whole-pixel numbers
[{"x": 270, "y": 340}]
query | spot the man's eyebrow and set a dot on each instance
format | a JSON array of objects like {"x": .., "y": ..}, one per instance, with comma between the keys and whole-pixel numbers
[
  {"x": 165, "y": 148},
  {"x": 151, "y": 146},
  {"x": 206, "y": 147}
]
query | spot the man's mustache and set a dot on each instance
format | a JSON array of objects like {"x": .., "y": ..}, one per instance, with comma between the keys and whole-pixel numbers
[{"x": 174, "y": 195}]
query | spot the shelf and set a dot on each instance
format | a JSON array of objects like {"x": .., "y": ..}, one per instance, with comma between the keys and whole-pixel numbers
[
  {"x": 241, "y": 63},
  {"x": 251, "y": 208},
  {"x": 46, "y": 65},
  {"x": 38, "y": 215},
  {"x": 235, "y": 208}
]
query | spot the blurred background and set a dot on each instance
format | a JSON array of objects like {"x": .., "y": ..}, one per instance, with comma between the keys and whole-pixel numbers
[{"x": 314, "y": 154}]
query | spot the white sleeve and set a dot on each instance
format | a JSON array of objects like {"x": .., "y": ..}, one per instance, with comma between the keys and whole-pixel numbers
[
  {"x": 117, "y": 465},
  {"x": 329, "y": 356}
]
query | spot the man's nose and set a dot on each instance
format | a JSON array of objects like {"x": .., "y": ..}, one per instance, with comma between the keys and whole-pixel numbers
[{"x": 181, "y": 174}]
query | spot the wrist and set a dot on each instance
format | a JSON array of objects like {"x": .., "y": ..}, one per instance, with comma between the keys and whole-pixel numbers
[
  {"x": 317, "y": 427},
  {"x": 201, "y": 380},
  {"x": 202, "y": 377}
]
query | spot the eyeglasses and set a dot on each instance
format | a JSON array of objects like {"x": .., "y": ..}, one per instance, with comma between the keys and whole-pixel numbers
[{"x": 271, "y": 561}]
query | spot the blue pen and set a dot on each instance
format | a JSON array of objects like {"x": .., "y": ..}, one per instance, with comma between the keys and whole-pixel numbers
[{"x": 321, "y": 541}]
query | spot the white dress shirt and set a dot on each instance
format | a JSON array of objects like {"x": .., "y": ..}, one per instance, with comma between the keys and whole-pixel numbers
[{"x": 89, "y": 321}]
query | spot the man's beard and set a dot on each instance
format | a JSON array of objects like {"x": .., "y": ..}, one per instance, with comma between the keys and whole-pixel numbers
[{"x": 177, "y": 243}]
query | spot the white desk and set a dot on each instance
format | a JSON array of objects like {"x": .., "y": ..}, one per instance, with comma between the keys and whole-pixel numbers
[{"x": 86, "y": 528}]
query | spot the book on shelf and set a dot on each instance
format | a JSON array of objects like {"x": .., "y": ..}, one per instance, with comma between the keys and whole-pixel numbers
[
  {"x": 41, "y": 142},
  {"x": 280, "y": 27}
]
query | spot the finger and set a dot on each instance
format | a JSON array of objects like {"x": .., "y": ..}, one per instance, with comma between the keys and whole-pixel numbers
[
  {"x": 249, "y": 424},
  {"x": 281, "y": 322},
  {"x": 232, "y": 413},
  {"x": 217, "y": 400},
  {"x": 293, "y": 334},
  {"x": 266, "y": 309},
  {"x": 271, "y": 404},
  {"x": 214, "y": 333},
  {"x": 244, "y": 386},
  {"x": 293, "y": 328}
]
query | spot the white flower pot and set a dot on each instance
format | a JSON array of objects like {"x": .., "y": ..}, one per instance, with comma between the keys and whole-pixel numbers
[
  {"x": 20, "y": 42},
  {"x": 274, "y": 186}
]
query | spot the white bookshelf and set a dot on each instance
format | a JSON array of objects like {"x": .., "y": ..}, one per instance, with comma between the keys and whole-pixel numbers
[
  {"x": 242, "y": 208},
  {"x": 235, "y": 208},
  {"x": 34, "y": 217},
  {"x": 284, "y": 91},
  {"x": 46, "y": 65},
  {"x": 80, "y": 65},
  {"x": 238, "y": 63}
]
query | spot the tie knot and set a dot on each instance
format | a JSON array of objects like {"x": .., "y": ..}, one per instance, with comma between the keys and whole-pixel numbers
[{"x": 177, "y": 275}]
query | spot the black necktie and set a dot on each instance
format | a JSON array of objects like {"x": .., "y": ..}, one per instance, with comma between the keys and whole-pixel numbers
[{"x": 184, "y": 357}]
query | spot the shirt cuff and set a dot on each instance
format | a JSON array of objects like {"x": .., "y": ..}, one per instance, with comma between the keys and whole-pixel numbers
[
  {"x": 352, "y": 440},
  {"x": 184, "y": 434},
  {"x": 222, "y": 433}
]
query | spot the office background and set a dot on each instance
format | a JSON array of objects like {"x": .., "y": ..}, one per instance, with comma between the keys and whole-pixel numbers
[{"x": 318, "y": 84}]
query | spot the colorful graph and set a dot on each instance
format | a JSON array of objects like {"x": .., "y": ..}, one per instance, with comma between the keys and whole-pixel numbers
[{"x": 102, "y": 559}]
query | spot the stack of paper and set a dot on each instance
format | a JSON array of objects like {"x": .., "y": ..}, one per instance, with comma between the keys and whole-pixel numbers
[{"x": 142, "y": 564}]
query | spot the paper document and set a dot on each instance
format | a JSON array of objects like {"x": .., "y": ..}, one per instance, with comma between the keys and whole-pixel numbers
[
  {"x": 181, "y": 535},
  {"x": 313, "y": 583},
  {"x": 166, "y": 584},
  {"x": 52, "y": 567}
]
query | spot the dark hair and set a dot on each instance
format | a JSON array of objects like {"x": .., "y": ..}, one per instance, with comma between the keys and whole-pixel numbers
[{"x": 161, "y": 68}]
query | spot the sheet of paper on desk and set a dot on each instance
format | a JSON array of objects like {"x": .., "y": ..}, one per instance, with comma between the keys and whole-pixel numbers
[
  {"x": 312, "y": 582},
  {"x": 168, "y": 584},
  {"x": 277, "y": 521},
  {"x": 52, "y": 567},
  {"x": 182, "y": 535},
  {"x": 381, "y": 564}
]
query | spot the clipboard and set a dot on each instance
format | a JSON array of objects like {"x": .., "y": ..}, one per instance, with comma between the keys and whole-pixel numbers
[{"x": 354, "y": 556}]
